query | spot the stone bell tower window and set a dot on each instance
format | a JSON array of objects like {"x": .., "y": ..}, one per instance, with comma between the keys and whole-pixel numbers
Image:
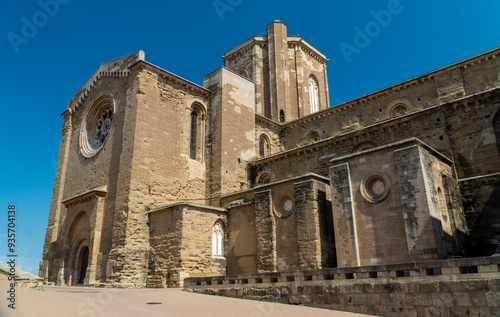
[{"x": 313, "y": 94}]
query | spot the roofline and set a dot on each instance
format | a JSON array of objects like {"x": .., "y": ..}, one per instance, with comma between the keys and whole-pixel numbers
[
  {"x": 398, "y": 86},
  {"x": 166, "y": 73},
  {"x": 291, "y": 39},
  {"x": 411, "y": 141}
]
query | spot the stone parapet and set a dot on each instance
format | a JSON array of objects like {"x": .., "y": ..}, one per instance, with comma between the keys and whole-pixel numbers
[{"x": 455, "y": 287}]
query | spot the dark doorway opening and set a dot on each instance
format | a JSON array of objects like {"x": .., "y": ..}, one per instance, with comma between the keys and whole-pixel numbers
[{"x": 84, "y": 263}]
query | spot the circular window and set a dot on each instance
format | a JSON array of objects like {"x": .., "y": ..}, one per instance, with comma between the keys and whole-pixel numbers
[
  {"x": 96, "y": 126},
  {"x": 285, "y": 207},
  {"x": 375, "y": 187}
]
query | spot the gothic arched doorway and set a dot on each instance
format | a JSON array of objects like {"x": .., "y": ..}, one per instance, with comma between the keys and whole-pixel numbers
[{"x": 84, "y": 263}]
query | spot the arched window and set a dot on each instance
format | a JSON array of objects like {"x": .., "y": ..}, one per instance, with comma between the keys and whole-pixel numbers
[
  {"x": 244, "y": 73},
  {"x": 313, "y": 94},
  {"x": 264, "y": 146},
  {"x": 399, "y": 110},
  {"x": 312, "y": 137},
  {"x": 194, "y": 126},
  {"x": 264, "y": 179},
  {"x": 218, "y": 240},
  {"x": 282, "y": 116}
]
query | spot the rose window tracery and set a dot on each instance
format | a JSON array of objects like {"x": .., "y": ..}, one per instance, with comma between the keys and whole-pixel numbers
[{"x": 103, "y": 126}]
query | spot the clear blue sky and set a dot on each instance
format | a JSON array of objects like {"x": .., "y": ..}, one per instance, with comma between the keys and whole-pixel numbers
[{"x": 43, "y": 66}]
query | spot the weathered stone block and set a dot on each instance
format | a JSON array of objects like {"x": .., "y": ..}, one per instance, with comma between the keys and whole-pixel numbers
[{"x": 442, "y": 299}]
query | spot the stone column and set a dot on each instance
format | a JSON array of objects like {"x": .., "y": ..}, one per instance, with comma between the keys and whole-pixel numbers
[
  {"x": 344, "y": 217},
  {"x": 266, "y": 232}
]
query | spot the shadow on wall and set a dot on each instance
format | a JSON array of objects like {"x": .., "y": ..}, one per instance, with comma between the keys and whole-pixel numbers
[{"x": 481, "y": 201}]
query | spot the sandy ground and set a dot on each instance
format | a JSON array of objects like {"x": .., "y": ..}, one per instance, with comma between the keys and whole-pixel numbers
[{"x": 84, "y": 301}]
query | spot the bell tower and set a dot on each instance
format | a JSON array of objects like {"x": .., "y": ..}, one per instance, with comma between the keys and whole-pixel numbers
[{"x": 288, "y": 72}]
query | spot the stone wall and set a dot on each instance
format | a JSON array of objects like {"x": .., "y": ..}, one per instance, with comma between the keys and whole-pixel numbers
[
  {"x": 389, "y": 206},
  {"x": 280, "y": 226},
  {"x": 481, "y": 196},
  {"x": 438, "y": 289},
  {"x": 181, "y": 244},
  {"x": 231, "y": 131},
  {"x": 77, "y": 175}
]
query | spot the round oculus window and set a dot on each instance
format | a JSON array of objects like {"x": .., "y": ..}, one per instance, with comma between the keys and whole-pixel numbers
[
  {"x": 288, "y": 205},
  {"x": 96, "y": 126},
  {"x": 375, "y": 187},
  {"x": 285, "y": 207}
]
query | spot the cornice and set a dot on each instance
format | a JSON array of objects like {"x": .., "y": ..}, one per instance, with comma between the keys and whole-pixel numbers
[
  {"x": 205, "y": 207},
  {"x": 86, "y": 196},
  {"x": 299, "y": 42},
  {"x": 268, "y": 122},
  {"x": 171, "y": 77},
  {"x": 391, "y": 123},
  {"x": 399, "y": 144},
  {"x": 245, "y": 46},
  {"x": 94, "y": 79},
  {"x": 293, "y": 41},
  {"x": 117, "y": 68}
]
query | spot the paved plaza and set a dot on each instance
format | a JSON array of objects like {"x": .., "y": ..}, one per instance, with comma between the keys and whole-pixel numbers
[{"x": 56, "y": 301}]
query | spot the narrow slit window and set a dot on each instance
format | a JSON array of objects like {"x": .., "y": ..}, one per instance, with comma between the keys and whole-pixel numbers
[{"x": 194, "y": 124}]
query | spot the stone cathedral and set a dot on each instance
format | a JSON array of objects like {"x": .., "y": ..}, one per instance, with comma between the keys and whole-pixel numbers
[{"x": 160, "y": 179}]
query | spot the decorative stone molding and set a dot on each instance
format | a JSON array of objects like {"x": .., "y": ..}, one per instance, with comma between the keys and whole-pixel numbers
[
  {"x": 116, "y": 68},
  {"x": 268, "y": 123},
  {"x": 86, "y": 196}
]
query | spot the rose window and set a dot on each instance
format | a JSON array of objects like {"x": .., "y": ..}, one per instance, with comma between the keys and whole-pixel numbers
[{"x": 96, "y": 126}]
